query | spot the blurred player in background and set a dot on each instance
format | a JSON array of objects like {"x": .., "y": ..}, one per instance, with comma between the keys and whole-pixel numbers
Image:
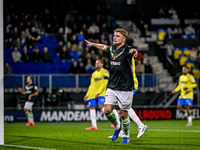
[
  {"x": 186, "y": 85},
  {"x": 30, "y": 92},
  {"x": 120, "y": 87},
  {"x": 141, "y": 127},
  {"x": 95, "y": 95}
]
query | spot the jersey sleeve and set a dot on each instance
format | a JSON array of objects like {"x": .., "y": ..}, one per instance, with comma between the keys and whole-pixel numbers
[
  {"x": 193, "y": 83},
  {"x": 134, "y": 75},
  {"x": 178, "y": 88},
  {"x": 35, "y": 88}
]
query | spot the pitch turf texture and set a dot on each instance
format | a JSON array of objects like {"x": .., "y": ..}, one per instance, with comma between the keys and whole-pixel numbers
[{"x": 161, "y": 135}]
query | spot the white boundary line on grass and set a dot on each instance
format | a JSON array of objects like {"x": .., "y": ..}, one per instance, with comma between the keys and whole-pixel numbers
[
  {"x": 166, "y": 130},
  {"x": 28, "y": 147}
]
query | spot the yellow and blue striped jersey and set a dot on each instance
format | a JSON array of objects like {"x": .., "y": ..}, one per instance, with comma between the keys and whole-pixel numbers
[
  {"x": 186, "y": 81},
  {"x": 134, "y": 75},
  {"x": 98, "y": 84}
]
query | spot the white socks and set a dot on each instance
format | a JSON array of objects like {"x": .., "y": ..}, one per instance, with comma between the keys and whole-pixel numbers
[
  {"x": 134, "y": 117},
  {"x": 117, "y": 118},
  {"x": 189, "y": 119},
  {"x": 93, "y": 117}
]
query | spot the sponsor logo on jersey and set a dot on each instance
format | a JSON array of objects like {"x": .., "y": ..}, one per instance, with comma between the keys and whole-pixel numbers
[
  {"x": 115, "y": 63},
  {"x": 184, "y": 82},
  {"x": 97, "y": 79}
]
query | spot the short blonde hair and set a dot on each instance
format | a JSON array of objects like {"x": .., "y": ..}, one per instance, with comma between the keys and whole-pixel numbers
[{"x": 122, "y": 31}]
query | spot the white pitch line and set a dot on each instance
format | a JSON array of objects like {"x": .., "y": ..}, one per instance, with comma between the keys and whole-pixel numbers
[
  {"x": 165, "y": 130},
  {"x": 28, "y": 147}
]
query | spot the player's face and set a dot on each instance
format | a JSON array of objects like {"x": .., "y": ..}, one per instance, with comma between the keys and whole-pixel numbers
[
  {"x": 98, "y": 64},
  {"x": 118, "y": 38},
  {"x": 29, "y": 80},
  {"x": 184, "y": 70}
]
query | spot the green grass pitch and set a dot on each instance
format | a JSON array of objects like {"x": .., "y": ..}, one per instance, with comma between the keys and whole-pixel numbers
[{"x": 161, "y": 135}]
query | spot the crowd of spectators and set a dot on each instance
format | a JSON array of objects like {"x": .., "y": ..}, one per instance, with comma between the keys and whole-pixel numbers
[{"x": 23, "y": 30}]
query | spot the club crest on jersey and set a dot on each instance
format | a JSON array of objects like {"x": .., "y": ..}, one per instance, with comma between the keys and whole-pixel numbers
[{"x": 114, "y": 57}]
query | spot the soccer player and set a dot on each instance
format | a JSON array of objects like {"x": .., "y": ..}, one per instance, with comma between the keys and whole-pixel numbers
[
  {"x": 141, "y": 127},
  {"x": 96, "y": 92},
  {"x": 186, "y": 85},
  {"x": 120, "y": 86},
  {"x": 30, "y": 92}
]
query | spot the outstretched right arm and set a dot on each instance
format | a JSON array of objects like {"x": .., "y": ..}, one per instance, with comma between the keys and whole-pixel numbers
[{"x": 99, "y": 46}]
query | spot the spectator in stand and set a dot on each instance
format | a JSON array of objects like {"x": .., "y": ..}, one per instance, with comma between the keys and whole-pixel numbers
[
  {"x": 104, "y": 30},
  {"x": 193, "y": 55},
  {"x": 64, "y": 54},
  {"x": 59, "y": 34},
  {"x": 74, "y": 68},
  {"x": 59, "y": 48},
  {"x": 102, "y": 39},
  {"x": 16, "y": 55},
  {"x": 93, "y": 31},
  {"x": 169, "y": 49},
  {"x": 189, "y": 29},
  {"x": 7, "y": 34},
  {"x": 82, "y": 68},
  {"x": 15, "y": 34},
  {"x": 85, "y": 30},
  {"x": 85, "y": 51},
  {"x": 176, "y": 34},
  {"x": 49, "y": 29},
  {"x": 80, "y": 48},
  {"x": 69, "y": 34},
  {"x": 129, "y": 40},
  {"x": 9, "y": 44},
  {"x": 66, "y": 28},
  {"x": 65, "y": 39},
  {"x": 18, "y": 43},
  {"x": 88, "y": 62},
  {"x": 93, "y": 54},
  {"x": 69, "y": 46},
  {"x": 80, "y": 36},
  {"x": 73, "y": 40},
  {"x": 161, "y": 13},
  {"x": 24, "y": 35},
  {"x": 46, "y": 55},
  {"x": 110, "y": 39},
  {"x": 144, "y": 58},
  {"x": 36, "y": 55},
  {"x": 179, "y": 28},
  {"x": 29, "y": 42},
  {"x": 107, "y": 63},
  {"x": 198, "y": 57},
  {"x": 148, "y": 67},
  {"x": 35, "y": 22},
  {"x": 139, "y": 57},
  {"x": 7, "y": 69},
  {"x": 139, "y": 67},
  {"x": 101, "y": 54},
  {"x": 75, "y": 29},
  {"x": 172, "y": 13},
  {"x": 35, "y": 36},
  {"x": 25, "y": 55},
  {"x": 168, "y": 36}
]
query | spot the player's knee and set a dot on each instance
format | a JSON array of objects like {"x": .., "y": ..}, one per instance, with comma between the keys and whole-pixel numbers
[
  {"x": 107, "y": 111},
  {"x": 179, "y": 107}
]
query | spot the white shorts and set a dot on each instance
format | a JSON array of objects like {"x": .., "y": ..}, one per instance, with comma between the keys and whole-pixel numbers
[
  {"x": 121, "y": 98},
  {"x": 28, "y": 105}
]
